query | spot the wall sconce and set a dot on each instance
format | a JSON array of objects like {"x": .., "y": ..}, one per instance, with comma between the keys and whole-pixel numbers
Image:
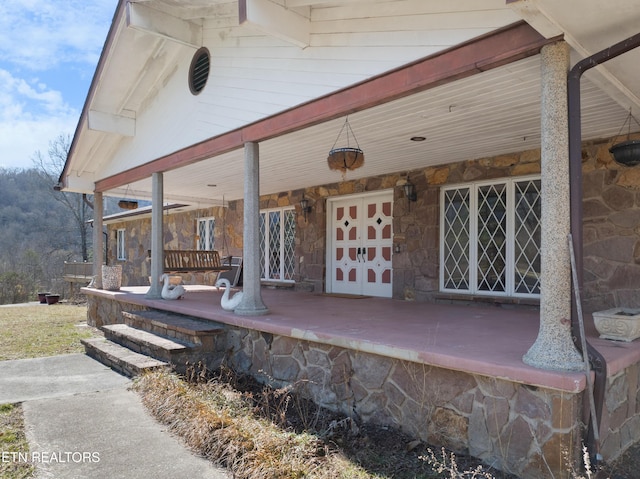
[
  {"x": 304, "y": 206},
  {"x": 410, "y": 191}
]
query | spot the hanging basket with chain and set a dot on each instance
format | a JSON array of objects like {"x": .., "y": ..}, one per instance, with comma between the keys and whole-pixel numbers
[
  {"x": 627, "y": 152},
  {"x": 348, "y": 157}
]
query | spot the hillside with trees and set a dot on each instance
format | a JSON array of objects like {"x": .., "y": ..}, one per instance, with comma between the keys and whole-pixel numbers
[{"x": 41, "y": 228}]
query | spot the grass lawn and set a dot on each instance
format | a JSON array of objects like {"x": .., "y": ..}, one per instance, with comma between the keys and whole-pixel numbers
[
  {"x": 29, "y": 332},
  {"x": 42, "y": 330}
]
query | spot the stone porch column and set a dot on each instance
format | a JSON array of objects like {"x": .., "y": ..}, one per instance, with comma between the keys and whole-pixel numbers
[
  {"x": 157, "y": 244},
  {"x": 98, "y": 239},
  {"x": 554, "y": 348},
  {"x": 251, "y": 304}
]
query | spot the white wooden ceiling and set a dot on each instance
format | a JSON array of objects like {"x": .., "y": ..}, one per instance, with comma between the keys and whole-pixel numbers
[{"x": 491, "y": 113}]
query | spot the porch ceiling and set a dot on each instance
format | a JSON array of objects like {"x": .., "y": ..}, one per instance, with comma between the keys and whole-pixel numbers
[{"x": 488, "y": 114}]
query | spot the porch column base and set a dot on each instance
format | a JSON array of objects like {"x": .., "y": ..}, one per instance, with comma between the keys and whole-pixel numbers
[
  {"x": 254, "y": 309},
  {"x": 554, "y": 354}
]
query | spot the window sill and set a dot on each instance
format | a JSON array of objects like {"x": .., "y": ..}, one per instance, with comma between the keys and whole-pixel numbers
[{"x": 501, "y": 301}]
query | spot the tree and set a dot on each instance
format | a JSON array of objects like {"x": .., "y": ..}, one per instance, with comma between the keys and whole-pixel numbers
[{"x": 50, "y": 168}]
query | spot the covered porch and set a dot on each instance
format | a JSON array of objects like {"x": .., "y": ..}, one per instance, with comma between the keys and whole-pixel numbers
[{"x": 451, "y": 375}]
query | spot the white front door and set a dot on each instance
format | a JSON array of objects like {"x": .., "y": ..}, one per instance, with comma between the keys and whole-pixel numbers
[{"x": 361, "y": 243}]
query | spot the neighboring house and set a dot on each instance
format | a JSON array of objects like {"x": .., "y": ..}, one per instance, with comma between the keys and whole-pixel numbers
[{"x": 466, "y": 194}]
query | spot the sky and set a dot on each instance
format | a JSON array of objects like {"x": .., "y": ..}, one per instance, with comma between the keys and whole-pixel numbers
[{"x": 49, "y": 50}]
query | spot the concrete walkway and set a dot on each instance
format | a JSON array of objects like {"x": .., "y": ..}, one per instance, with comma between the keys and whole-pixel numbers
[{"x": 82, "y": 421}]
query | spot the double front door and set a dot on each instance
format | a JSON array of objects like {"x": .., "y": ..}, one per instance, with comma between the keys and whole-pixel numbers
[{"x": 361, "y": 245}]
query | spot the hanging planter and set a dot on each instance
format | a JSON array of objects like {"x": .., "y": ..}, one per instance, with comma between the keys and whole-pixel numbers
[
  {"x": 128, "y": 204},
  {"x": 627, "y": 153},
  {"x": 346, "y": 157}
]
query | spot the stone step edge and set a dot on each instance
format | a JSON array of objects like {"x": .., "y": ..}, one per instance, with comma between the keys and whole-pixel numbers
[
  {"x": 120, "y": 358},
  {"x": 147, "y": 339},
  {"x": 211, "y": 330}
]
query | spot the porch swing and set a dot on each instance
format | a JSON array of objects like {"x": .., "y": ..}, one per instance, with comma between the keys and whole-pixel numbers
[{"x": 204, "y": 261}]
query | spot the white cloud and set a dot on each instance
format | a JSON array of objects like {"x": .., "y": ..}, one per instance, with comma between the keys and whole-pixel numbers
[
  {"x": 30, "y": 117},
  {"x": 39, "y": 34},
  {"x": 45, "y": 43}
]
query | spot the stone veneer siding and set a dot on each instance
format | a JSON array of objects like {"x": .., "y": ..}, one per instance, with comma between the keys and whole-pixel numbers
[
  {"x": 620, "y": 423},
  {"x": 611, "y": 202},
  {"x": 526, "y": 430},
  {"x": 611, "y": 228}
]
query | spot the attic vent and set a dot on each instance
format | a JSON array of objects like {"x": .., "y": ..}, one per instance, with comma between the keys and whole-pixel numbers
[{"x": 199, "y": 70}]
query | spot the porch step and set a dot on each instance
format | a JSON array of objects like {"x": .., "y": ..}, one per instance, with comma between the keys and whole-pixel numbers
[
  {"x": 185, "y": 329},
  {"x": 121, "y": 358},
  {"x": 149, "y": 344}
]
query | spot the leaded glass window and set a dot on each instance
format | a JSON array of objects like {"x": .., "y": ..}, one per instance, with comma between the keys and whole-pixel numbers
[
  {"x": 277, "y": 244},
  {"x": 206, "y": 239},
  {"x": 490, "y": 238}
]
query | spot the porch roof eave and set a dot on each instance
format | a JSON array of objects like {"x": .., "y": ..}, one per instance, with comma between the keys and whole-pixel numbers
[{"x": 503, "y": 46}]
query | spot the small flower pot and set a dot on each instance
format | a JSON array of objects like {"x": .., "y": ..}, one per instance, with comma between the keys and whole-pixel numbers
[
  {"x": 52, "y": 298},
  {"x": 620, "y": 324},
  {"x": 42, "y": 297},
  {"x": 111, "y": 277}
]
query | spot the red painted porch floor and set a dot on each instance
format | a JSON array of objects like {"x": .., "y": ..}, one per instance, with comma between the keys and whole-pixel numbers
[{"x": 485, "y": 340}]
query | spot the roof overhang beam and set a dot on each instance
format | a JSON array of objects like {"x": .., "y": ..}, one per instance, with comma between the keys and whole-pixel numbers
[
  {"x": 276, "y": 21},
  {"x": 152, "y": 21},
  {"x": 110, "y": 123}
]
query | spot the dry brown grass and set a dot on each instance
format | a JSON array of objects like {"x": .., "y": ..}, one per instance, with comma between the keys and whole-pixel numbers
[{"x": 218, "y": 423}]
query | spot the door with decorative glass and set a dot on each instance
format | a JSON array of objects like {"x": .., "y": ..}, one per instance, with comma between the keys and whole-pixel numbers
[
  {"x": 277, "y": 244},
  {"x": 361, "y": 245}
]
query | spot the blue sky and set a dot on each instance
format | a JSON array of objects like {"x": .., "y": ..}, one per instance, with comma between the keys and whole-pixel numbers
[{"x": 49, "y": 50}]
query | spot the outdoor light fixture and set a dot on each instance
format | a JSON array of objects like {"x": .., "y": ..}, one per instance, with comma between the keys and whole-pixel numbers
[
  {"x": 304, "y": 206},
  {"x": 410, "y": 191}
]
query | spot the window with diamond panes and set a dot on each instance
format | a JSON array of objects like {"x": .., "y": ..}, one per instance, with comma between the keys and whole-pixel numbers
[
  {"x": 120, "y": 244},
  {"x": 527, "y": 233},
  {"x": 206, "y": 241},
  {"x": 277, "y": 244},
  {"x": 455, "y": 244},
  {"x": 490, "y": 238}
]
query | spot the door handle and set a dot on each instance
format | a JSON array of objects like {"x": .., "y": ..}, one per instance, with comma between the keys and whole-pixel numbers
[
  {"x": 358, "y": 253},
  {"x": 364, "y": 255}
]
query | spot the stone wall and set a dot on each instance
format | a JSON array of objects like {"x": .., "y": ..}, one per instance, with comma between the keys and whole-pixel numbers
[
  {"x": 102, "y": 311},
  {"x": 620, "y": 423},
  {"x": 611, "y": 228},
  {"x": 529, "y": 431},
  {"x": 611, "y": 231}
]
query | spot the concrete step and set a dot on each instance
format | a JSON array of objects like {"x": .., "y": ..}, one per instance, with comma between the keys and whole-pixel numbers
[
  {"x": 175, "y": 326},
  {"x": 119, "y": 358},
  {"x": 149, "y": 344}
]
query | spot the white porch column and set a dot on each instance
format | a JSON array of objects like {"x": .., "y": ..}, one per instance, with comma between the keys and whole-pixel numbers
[
  {"x": 98, "y": 239},
  {"x": 554, "y": 348},
  {"x": 251, "y": 304},
  {"x": 157, "y": 244}
]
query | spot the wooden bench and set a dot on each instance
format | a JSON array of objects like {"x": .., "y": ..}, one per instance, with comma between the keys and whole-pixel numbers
[{"x": 193, "y": 261}]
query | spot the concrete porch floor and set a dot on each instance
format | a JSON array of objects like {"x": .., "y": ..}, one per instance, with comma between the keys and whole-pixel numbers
[{"x": 484, "y": 340}]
